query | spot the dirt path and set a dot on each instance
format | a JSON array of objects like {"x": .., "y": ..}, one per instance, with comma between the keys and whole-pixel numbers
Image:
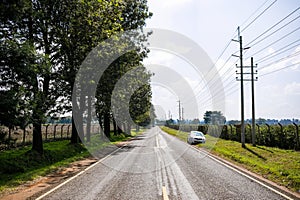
[{"x": 37, "y": 186}]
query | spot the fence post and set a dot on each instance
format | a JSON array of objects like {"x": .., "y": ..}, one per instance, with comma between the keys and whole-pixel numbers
[
  {"x": 269, "y": 133},
  {"x": 296, "y": 136},
  {"x": 9, "y": 137},
  {"x": 258, "y": 132},
  {"x": 61, "y": 131},
  {"x": 24, "y": 135},
  {"x": 231, "y": 132},
  {"x": 250, "y": 131},
  {"x": 54, "y": 131},
  {"x": 282, "y": 138},
  {"x": 47, "y": 125},
  {"x": 68, "y": 130}
]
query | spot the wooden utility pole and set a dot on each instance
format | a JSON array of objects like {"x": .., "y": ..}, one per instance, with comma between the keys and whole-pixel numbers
[
  {"x": 179, "y": 111},
  {"x": 242, "y": 88},
  {"x": 242, "y": 95},
  {"x": 253, "y": 102}
]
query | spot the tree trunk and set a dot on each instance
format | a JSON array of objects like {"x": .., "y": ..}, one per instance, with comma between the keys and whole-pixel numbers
[
  {"x": 80, "y": 129},
  {"x": 89, "y": 119},
  {"x": 129, "y": 129},
  {"x": 115, "y": 126},
  {"x": 77, "y": 130},
  {"x": 9, "y": 135},
  {"x": 119, "y": 130},
  {"x": 24, "y": 135},
  {"x": 107, "y": 125},
  {"x": 101, "y": 127},
  {"x": 74, "y": 136},
  {"x": 37, "y": 140}
]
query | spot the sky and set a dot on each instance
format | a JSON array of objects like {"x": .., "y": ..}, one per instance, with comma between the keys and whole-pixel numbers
[{"x": 212, "y": 25}]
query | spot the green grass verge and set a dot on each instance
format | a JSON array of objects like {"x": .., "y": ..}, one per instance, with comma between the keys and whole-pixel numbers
[
  {"x": 20, "y": 165},
  {"x": 278, "y": 165}
]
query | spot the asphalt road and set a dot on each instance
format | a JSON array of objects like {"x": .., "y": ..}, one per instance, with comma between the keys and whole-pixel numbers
[{"x": 156, "y": 165}]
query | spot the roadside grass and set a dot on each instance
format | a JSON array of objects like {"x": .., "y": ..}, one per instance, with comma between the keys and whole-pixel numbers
[
  {"x": 278, "y": 165},
  {"x": 20, "y": 165}
]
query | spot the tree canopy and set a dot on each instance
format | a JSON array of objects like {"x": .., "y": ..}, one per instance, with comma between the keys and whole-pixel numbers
[
  {"x": 214, "y": 117},
  {"x": 42, "y": 45}
]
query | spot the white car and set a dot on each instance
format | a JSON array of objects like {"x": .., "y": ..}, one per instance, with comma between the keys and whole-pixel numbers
[{"x": 195, "y": 137}]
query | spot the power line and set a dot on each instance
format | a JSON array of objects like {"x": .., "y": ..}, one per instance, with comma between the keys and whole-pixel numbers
[
  {"x": 272, "y": 28},
  {"x": 246, "y": 28},
  {"x": 218, "y": 90},
  {"x": 236, "y": 89},
  {"x": 207, "y": 99},
  {"x": 263, "y": 59},
  {"x": 207, "y": 84},
  {"x": 288, "y": 34},
  {"x": 211, "y": 82},
  {"x": 219, "y": 57},
  {"x": 280, "y": 69},
  {"x": 281, "y": 59},
  {"x": 259, "y": 15},
  {"x": 227, "y": 71},
  {"x": 275, "y": 31}
]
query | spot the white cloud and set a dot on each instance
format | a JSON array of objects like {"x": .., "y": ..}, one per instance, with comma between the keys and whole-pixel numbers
[{"x": 292, "y": 89}]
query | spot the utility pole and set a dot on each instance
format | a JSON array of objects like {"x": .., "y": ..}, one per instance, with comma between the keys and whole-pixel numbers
[
  {"x": 182, "y": 114},
  {"x": 242, "y": 95},
  {"x": 253, "y": 102},
  {"x": 242, "y": 87},
  {"x": 179, "y": 111}
]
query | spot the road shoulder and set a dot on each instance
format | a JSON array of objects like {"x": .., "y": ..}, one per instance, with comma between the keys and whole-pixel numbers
[
  {"x": 255, "y": 176},
  {"x": 41, "y": 185}
]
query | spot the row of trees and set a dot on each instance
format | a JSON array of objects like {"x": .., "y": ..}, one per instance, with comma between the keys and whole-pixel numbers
[
  {"x": 42, "y": 46},
  {"x": 210, "y": 117}
]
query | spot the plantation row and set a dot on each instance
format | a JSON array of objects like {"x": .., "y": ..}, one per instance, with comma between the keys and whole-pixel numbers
[{"x": 285, "y": 137}]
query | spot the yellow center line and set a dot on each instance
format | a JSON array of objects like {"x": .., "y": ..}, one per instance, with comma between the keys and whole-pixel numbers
[{"x": 164, "y": 193}]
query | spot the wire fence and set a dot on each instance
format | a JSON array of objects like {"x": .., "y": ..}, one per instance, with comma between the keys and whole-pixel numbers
[
  {"x": 10, "y": 138},
  {"x": 281, "y": 136}
]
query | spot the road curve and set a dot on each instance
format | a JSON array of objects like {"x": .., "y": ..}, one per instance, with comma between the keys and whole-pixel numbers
[{"x": 156, "y": 165}]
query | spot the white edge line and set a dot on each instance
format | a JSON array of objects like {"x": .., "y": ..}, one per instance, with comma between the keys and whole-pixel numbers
[
  {"x": 236, "y": 170},
  {"x": 164, "y": 193},
  {"x": 244, "y": 174},
  {"x": 73, "y": 177}
]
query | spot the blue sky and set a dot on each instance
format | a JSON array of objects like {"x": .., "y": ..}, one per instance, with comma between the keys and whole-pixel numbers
[{"x": 212, "y": 24}]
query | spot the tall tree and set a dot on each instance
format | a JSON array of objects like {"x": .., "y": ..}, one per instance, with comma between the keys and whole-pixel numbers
[
  {"x": 43, "y": 44},
  {"x": 133, "y": 16},
  {"x": 90, "y": 23},
  {"x": 35, "y": 29},
  {"x": 214, "y": 117}
]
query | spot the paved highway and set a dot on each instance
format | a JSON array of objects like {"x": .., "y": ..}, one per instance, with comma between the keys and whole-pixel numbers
[{"x": 156, "y": 165}]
